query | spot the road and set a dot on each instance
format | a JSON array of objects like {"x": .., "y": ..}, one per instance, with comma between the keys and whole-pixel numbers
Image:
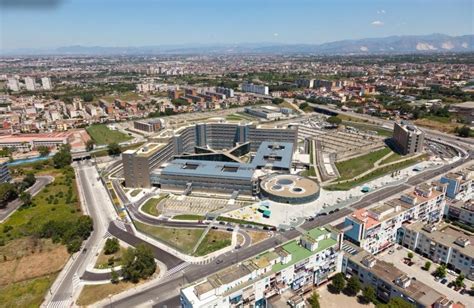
[
  {"x": 41, "y": 182},
  {"x": 98, "y": 205}
]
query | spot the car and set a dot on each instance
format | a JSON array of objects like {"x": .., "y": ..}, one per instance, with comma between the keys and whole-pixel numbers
[
  {"x": 230, "y": 229},
  {"x": 219, "y": 261},
  {"x": 238, "y": 246},
  {"x": 336, "y": 210},
  {"x": 221, "y": 222},
  {"x": 330, "y": 212},
  {"x": 214, "y": 227},
  {"x": 311, "y": 219},
  {"x": 443, "y": 281}
]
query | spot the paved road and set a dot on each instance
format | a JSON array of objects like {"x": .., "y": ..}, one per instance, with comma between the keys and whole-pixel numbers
[
  {"x": 41, "y": 182},
  {"x": 97, "y": 204}
]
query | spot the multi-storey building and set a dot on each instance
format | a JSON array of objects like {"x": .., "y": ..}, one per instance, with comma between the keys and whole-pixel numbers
[
  {"x": 408, "y": 138},
  {"x": 226, "y": 91},
  {"x": 13, "y": 84},
  {"x": 46, "y": 83},
  {"x": 459, "y": 183},
  {"x": 254, "y": 88},
  {"x": 305, "y": 83},
  {"x": 376, "y": 229},
  {"x": 442, "y": 243},
  {"x": 149, "y": 126},
  {"x": 462, "y": 211},
  {"x": 4, "y": 171},
  {"x": 30, "y": 83},
  {"x": 297, "y": 265},
  {"x": 387, "y": 280},
  {"x": 265, "y": 112}
]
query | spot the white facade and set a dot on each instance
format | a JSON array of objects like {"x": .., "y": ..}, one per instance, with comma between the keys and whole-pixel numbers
[
  {"x": 13, "y": 84},
  {"x": 30, "y": 83},
  {"x": 46, "y": 82},
  {"x": 253, "y": 88}
]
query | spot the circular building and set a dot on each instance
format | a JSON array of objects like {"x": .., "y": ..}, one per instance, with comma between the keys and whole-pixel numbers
[{"x": 288, "y": 188}]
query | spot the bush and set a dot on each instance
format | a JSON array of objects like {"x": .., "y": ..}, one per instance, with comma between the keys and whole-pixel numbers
[
  {"x": 111, "y": 246},
  {"x": 427, "y": 266},
  {"x": 138, "y": 263},
  {"x": 338, "y": 283},
  {"x": 353, "y": 286}
]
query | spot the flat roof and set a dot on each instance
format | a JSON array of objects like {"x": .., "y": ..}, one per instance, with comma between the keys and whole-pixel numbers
[
  {"x": 146, "y": 149},
  {"x": 278, "y": 154},
  {"x": 209, "y": 169}
]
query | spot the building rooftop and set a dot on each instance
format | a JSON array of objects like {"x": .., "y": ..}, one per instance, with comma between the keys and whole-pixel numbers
[
  {"x": 278, "y": 154},
  {"x": 146, "y": 149},
  {"x": 363, "y": 216},
  {"x": 209, "y": 169}
]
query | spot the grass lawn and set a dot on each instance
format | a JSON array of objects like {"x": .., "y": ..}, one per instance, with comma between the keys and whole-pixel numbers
[
  {"x": 150, "y": 207},
  {"x": 375, "y": 174},
  {"x": 105, "y": 152},
  {"x": 181, "y": 239},
  {"x": 241, "y": 221},
  {"x": 49, "y": 204},
  {"x": 125, "y": 96},
  {"x": 392, "y": 158},
  {"x": 103, "y": 259},
  {"x": 28, "y": 293},
  {"x": 189, "y": 217},
  {"x": 355, "y": 166},
  {"x": 443, "y": 124},
  {"x": 101, "y": 134},
  {"x": 233, "y": 117},
  {"x": 135, "y": 192},
  {"x": 213, "y": 241},
  {"x": 94, "y": 293}
]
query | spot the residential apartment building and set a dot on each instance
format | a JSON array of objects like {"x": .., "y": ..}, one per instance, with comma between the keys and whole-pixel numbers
[
  {"x": 387, "y": 280},
  {"x": 408, "y": 138},
  {"x": 30, "y": 84},
  {"x": 4, "y": 171},
  {"x": 254, "y": 88},
  {"x": 376, "y": 229},
  {"x": 462, "y": 211},
  {"x": 297, "y": 265},
  {"x": 442, "y": 243},
  {"x": 460, "y": 183},
  {"x": 228, "y": 92},
  {"x": 46, "y": 83},
  {"x": 13, "y": 84},
  {"x": 149, "y": 126},
  {"x": 266, "y": 112}
]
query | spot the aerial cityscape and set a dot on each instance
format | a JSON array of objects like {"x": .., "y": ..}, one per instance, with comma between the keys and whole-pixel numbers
[{"x": 210, "y": 153}]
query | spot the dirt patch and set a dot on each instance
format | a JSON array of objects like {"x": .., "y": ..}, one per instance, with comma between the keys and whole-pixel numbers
[
  {"x": 329, "y": 300},
  {"x": 31, "y": 259},
  {"x": 257, "y": 236}
]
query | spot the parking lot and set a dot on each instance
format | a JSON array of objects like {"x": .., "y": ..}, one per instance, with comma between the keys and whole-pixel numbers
[
  {"x": 193, "y": 205},
  {"x": 416, "y": 271}
]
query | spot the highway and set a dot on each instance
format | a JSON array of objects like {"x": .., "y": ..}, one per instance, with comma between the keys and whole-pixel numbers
[{"x": 41, "y": 182}]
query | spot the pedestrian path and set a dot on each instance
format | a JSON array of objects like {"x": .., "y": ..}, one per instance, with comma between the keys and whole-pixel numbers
[{"x": 176, "y": 269}]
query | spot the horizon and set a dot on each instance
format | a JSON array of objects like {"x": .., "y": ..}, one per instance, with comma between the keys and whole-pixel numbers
[{"x": 52, "y": 24}]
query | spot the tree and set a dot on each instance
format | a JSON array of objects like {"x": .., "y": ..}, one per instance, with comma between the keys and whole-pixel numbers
[
  {"x": 303, "y": 106},
  {"x": 25, "y": 198},
  {"x": 74, "y": 245},
  {"x": 427, "y": 265},
  {"x": 277, "y": 101},
  {"x": 63, "y": 157},
  {"x": 463, "y": 131},
  {"x": 338, "y": 283},
  {"x": 28, "y": 181},
  {"x": 369, "y": 295},
  {"x": 90, "y": 145},
  {"x": 353, "y": 286},
  {"x": 440, "y": 271},
  {"x": 138, "y": 263},
  {"x": 459, "y": 282},
  {"x": 88, "y": 97},
  {"x": 396, "y": 302},
  {"x": 43, "y": 150},
  {"x": 114, "y": 149},
  {"x": 111, "y": 246},
  {"x": 410, "y": 255},
  {"x": 314, "y": 300},
  {"x": 114, "y": 277},
  {"x": 334, "y": 120},
  {"x": 7, "y": 193}
]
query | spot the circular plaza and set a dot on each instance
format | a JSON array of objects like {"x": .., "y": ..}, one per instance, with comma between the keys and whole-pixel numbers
[{"x": 288, "y": 188}]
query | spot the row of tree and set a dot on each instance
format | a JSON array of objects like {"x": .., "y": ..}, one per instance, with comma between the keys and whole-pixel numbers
[
  {"x": 70, "y": 233},
  {"x": 9, "y": 191}
]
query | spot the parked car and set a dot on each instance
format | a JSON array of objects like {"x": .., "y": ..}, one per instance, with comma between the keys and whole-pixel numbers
[
  {"x": 230, "y": 229},
  {"x": 444, "y": 281},
  {"x": 214, "y": 227},
  {"x": 219, "y": 261}
]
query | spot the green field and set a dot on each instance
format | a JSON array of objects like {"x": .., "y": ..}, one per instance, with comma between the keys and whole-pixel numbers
[
  {"x": 367, "y": 127},
  {"x": 353, "y": 167},
  {"x": 29, "y": 293},
  {"x": 241, "y": 221},
  {"x": 392, "y": 158},
  {"x": 213, "y": 241},
  {"x": 101, "y": 134},
  {"x": 375, "y": 174},
  {"x": 181, "y": 239},
  {"x": 51, "y": 203},
  {"x": 150, "y": 206},
  {"x": 189, "y": 217}
]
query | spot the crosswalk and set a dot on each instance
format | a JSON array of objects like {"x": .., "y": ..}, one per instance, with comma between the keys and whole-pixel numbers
[
  {"x": 176, "y": 269},
  {"x": 76, "y": 281},
  {"x": 107, "y": 234},
  {"x": 60, "y": 304},
  {"x": 120, "y": 224}
]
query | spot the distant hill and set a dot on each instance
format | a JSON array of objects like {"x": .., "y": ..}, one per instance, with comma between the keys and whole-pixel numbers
[{"x": 387, "y": 45}]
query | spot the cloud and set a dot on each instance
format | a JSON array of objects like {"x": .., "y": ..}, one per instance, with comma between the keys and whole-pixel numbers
[
  {"x": 381, "y": 12},
  {"x": 275, "y": 34},
  {"x": 377, "y": 23}
]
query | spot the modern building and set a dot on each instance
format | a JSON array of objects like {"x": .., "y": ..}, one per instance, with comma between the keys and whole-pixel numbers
[
  {"x": 270, "y": 113},
  {"x": 459, "y": 183},
  {"x": 464, "y": 110},
  {"x": 408, "y": 138},
  {"x": 305, "y": 83},
  {"x": 375, "y": 229},
  {"x": 27, "y": 142},
  {"x": 228, "y": 92},
  {"x": 13, "y": 84},
  {"x": 149, "y": 126},
  {"x": 46, "y": 82},
  {"x": 443, "y": 243},
  {"x": 254, "y": 88},
  {"x": 296, "y": 266},
  {"x": 462, "y": 211},
  {"x": 30, "y": 84},
  {"x": 387, "y": 280},
  {"x": 218, "y": 136},
  {"x": 4, "y": 171}
]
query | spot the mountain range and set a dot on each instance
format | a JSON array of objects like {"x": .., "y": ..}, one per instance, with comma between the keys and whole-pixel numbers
[{"x": 387, "y": 45}]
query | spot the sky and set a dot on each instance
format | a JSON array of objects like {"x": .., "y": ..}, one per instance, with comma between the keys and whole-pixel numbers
[{"x": 54, "y": 23}]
